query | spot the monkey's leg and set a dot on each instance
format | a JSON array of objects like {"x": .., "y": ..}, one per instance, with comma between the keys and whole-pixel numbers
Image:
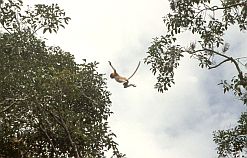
[{"x": 126, "y": 85}]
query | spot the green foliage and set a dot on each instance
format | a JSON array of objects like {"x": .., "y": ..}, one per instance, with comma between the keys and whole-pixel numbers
[
  {"x": 233, "y": 142},
  {"x": 158, "y": 59},
  {"x": 238, "y": 86},
  {"x": 199, "y": 18},
  {"x": 45, "y": 17},
  {"x": 208, "y": 23},
  {"x": 50, "y": 106}
]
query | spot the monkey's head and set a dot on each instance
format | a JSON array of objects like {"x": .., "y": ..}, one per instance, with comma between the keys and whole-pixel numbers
[{"x": 112, "y": 75}]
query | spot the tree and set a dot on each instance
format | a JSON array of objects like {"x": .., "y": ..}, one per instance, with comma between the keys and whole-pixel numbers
[
  {"x": 233, "y": 142},
  {"x": 207, "y": 22},
  {"x": 50, "y": 106}
]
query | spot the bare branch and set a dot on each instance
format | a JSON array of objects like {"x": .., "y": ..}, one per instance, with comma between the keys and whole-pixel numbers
[
  {"x": 239, "y": 61},
  {"x": 240, "y": 58},
  {"x": 240, "y": 73},
  {"x": 215, "y": 8},
  {"x": 215, "y": 66}
]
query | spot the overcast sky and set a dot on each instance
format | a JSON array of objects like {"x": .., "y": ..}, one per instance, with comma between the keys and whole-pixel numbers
[{"x": 148, "y": 124}]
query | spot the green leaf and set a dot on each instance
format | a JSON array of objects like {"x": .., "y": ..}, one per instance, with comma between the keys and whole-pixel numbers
[{"x": 44, "y": 30}]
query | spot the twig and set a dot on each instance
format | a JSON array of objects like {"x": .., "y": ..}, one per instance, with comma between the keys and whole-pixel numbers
[
  {"x": 11, "y": 105},
  {"x": 240, "y": 73},
  {"x": 70, "y": 139},
  {"x": 8, "y": 107},
  {"x": 37, "y": 29},
  {"x": 214, "y": 8},
  {"x": 6, "y": 29},
  {"x": 62, "y": 123},
  {"x": 240, "y": 58},
  {"x": 229, "y": 6},
  {"x": 48, "y": 137},
  {"x": 215, "y": 66}
]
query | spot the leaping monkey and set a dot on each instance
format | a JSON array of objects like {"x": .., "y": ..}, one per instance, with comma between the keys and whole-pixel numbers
[{"x": 122, "y": 79}]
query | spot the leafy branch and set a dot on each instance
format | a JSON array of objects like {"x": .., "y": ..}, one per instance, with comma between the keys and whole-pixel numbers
[
  {"x": 14, "y": 101},
  {"x": 240, "y": 73},
  {"x": 42, "y": 127},
  {"x": 61, "y": 122}
]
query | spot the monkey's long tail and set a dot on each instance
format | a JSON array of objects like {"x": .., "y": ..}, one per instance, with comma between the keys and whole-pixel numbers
[{"x": 135, "y": 70}]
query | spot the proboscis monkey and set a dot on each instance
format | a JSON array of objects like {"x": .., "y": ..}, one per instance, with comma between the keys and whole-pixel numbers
[{"x": 122, "y": 79}]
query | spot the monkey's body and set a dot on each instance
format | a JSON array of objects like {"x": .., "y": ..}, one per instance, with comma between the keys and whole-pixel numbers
[{"x": 121, "y": 79}]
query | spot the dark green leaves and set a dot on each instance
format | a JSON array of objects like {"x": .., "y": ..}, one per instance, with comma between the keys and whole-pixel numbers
[
  {"x": 163, "y": 59},
  {"x": 8, "y": 14},
  {"x": 46, "y": 17},
  {"x": 207, "y": 23},
  {"x": 233, "y": 142},
  {"x": 200, "y": 18},
  {"x": 48, "y": 99},
  {"x": 237, "y": 86},
  {"x": 49, "y": 18},
  {"x": 50, "y": 106}
]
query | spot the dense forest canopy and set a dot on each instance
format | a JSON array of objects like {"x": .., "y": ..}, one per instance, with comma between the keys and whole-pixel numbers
[{"x": 50, "y": 106}]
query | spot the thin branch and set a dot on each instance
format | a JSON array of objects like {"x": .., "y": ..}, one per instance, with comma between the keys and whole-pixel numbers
[
  {"x": 229, "y": 6},
  {"x": 240, "y": 58},
  {"x": 6, "y": 29},
  {"x": 71, "y": 141},
  {"x": 240, "y": 73},
  {"x": 37, "y": 29},
  {"x": 11, "y": 105},
  {"x": 214, "y": 8},
  {"x": 7, "y": 108},
  {"x": 62, "y": 123},
  {"x": 215, "y": 66},
  {"x": 48, "y": 137}
]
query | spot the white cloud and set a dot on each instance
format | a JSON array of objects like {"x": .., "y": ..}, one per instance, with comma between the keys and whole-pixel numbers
[{"x": 178, "y": 123}]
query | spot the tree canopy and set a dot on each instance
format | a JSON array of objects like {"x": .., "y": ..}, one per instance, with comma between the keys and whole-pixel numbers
[
  {"x": 207, "y": 21},
  {"x": 50, "y": 106}
]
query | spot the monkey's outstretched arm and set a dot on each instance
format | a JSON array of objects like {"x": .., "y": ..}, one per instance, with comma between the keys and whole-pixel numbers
[
  {"x": 135, "y": 70},
  {"x": 112, "y": 66}
]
